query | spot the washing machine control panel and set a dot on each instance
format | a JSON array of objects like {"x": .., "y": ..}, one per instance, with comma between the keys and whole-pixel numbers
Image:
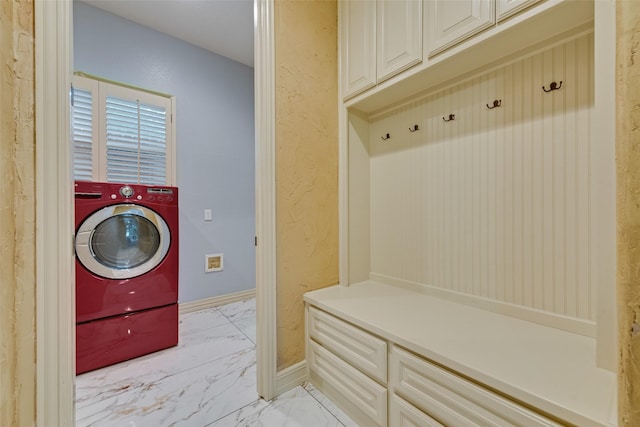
[
  {"x": 154, "y": 194},
  {"x": 126, "y": 191},
  {"x": 130, "y": 193},
  {"x": 160, "y": 194}
]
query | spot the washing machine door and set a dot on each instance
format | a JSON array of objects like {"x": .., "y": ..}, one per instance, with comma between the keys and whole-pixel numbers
[{"x": 122, "y": 241}]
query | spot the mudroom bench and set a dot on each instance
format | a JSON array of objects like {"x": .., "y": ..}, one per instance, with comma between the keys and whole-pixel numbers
[{"x": 390, "y": 356}]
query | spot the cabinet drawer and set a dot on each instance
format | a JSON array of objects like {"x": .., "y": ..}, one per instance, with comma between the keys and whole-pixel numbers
[
  {"x": 353, "y": 386},
  {"x": 404, "y": 414},
  {"x": 359, "y": 348},
  {"x": 452, "y": 400}
]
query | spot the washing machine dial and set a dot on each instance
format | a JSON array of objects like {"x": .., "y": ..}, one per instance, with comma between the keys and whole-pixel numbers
[{"x": 126, "y": 191}]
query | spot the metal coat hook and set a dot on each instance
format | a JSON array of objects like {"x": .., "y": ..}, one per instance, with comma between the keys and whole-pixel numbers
[
  {"x": 553, "y": 86},
  {"x": 451, "y": 117},
  {"x": 387, "y": 137},
  {"x": 496, "y": 104},
  {"x": 414, "y": 128}
]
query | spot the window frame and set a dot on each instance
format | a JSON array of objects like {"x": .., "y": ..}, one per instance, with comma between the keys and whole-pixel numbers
[{"x": 101, "y": 89}]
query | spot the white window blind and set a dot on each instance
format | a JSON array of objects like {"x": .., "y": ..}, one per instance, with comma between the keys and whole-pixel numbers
[
  {"x": 135, "y": 141},
  {"x": 82, "y": 124}
]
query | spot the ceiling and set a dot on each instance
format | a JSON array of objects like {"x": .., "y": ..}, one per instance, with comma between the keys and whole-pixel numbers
[{"x": 224, "y": 27}]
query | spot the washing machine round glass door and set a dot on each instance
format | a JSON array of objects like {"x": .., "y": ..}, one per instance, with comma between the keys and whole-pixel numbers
[{"x": 122, "y": 241}]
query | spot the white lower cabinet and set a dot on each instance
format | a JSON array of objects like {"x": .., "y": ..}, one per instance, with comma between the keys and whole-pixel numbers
[
  {"x": 453, "y": 400},
  {"x": 357, "y": 347},
  {"x": 349, "y": 365},
  {"x": 404, "y": 414},
  {"x": 361, "y": 397},
  {"x": 378, "y": 383}
]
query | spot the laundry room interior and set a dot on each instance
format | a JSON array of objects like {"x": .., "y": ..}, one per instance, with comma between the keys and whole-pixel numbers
[
  {"x": 214, "y": 122},
  {"x": 462, "y": 202},
  {"x": 209, "y": 373},
  {"x": 210, "y": 161}
]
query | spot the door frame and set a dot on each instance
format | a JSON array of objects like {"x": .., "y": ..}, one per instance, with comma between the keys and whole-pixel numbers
[
  {"x": 55, "y": 290},
  {"x": 55, "y": 287},
  {"x": 265, "y": 123}
]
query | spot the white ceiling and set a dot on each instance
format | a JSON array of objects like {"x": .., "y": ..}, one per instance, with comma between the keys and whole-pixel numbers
[{"x": 224, "y": 27}]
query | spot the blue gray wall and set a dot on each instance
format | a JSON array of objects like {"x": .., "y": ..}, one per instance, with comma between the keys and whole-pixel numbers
[{"x": 215, "y": 139}]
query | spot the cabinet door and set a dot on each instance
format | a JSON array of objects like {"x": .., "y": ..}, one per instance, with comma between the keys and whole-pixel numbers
[
  {"x": 398, "y": 36},
  {"x": 358, "y": 43},
  {"x": 507, "y": 8},
  {"x": 451, "y": 21}
]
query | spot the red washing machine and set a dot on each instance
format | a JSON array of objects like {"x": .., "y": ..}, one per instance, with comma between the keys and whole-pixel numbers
[{"x": 126, "y": 272}]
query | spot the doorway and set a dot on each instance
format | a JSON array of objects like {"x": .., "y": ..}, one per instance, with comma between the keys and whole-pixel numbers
[{"x": 55, "y": 313}]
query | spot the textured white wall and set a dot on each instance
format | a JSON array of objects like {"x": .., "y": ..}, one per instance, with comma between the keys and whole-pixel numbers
[
  {"x": 17, "y": 216},
  {"x": 306, "y": 134}
]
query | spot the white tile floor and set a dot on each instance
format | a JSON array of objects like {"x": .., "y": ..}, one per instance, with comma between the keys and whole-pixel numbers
[{"x": 209, "y": 379}]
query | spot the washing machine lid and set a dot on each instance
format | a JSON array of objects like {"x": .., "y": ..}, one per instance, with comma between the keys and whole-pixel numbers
[{"x": 122, "y": 241}]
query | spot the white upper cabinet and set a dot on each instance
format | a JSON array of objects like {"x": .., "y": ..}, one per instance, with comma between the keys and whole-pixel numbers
[
  {"x": 506, "y": 8},
  {"x": 380, "y": 39},
  {"x": 358, "y": 27},
  {"x": 398, "y": 37},
  {"x": 451, "y": 21}
]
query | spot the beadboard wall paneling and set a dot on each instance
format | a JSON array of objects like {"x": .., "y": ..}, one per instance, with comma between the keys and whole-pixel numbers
[
  {"x": 496, "y": 202},
  {"x": 359, "y": 200}
]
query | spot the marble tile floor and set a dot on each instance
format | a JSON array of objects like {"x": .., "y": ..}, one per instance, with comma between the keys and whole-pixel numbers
[{"x": 209, "y": 379}]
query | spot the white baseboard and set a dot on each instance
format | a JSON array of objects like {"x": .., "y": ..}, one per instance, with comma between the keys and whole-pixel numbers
[
  {"x": 202, "y": 304},
  {"x": 291, "y": 377}
]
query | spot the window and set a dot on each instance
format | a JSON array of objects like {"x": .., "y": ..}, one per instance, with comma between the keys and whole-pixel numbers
[{"x": 121, "y": 134}]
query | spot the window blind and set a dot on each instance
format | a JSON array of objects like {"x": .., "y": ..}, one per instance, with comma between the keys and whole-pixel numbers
[
  {"x": 136, "y": 142},
  {"x": 82, "y": 126},
  {"x": 121, "y": 134}
]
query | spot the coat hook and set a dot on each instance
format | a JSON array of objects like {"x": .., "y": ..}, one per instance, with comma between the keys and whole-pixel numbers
[
  {"x": 387, "y": 137},
  {"x": 496, "y": 103},
  {"x": 414, "y": 128},
  {"x": 451, "y": 117},
  {"x": 553, "y": 86}
]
